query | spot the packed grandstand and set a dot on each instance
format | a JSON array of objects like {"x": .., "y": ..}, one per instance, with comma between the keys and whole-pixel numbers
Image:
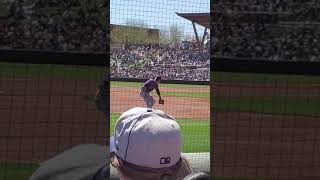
[
  {"x": 171, "y": 61},
  {"x": 53, "y": 25},
  {"x": 274, "y": 30},
  {"x": 259, "y": 30},
  {"x": 268, "y": 30}
]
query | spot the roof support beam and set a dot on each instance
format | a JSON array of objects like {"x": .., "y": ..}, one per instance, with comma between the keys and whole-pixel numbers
[
  {"x": 204, "y": 36},
  {"x": 195, "y": 31}
]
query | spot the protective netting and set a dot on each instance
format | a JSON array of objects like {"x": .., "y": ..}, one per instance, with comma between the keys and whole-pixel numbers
[
  {"x": 46, "y": 109},
  {"x": 265, "y": 126},
  {"x": 150, "y": 39}
]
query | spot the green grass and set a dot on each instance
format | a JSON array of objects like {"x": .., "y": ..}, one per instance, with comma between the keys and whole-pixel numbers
[
  {"x": 195, "y": 134},
  {"x": 9, "y": 70},
  {"x": 166, "y": 93},
  {"x": 274, "y": 105},
  {"x": 139, "y": 84},
  {"x": 204, "y": 95},
  {"x": 292, "y": 105},
  {"x": 12, "y": 171},
  {"x": 259, "y": 77}
]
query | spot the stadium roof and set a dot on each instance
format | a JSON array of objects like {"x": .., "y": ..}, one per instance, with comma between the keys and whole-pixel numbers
[{"x": 202, "y": 19}]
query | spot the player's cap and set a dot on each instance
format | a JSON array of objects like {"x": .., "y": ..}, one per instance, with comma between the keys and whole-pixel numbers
[
  {"x": 158, "y": 78},
  {"x": 148, "y": 138}
]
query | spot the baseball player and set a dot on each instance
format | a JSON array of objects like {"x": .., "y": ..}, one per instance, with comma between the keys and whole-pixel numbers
[{"x": 149, "y": 86}]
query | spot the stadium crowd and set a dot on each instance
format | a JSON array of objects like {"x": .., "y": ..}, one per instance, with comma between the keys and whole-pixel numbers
[
  {"x": 291, "y": 37},
  {"x": 255, "y": 41},
  {"x": 68, "y": 29},
  {"x": 172, "y": 61},
  {"x": 294, "y": 7},
  {"x": 71, "y": 29}
]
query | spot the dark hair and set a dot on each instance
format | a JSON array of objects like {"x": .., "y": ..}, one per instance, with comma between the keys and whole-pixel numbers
[{"x": 158, "y": 78}]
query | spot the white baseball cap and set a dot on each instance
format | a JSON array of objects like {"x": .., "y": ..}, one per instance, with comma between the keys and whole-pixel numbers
[{"x": 148, "y": 138}]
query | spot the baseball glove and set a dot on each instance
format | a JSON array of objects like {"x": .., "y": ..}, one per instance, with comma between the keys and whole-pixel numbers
[{"x": 161, "y": 101}]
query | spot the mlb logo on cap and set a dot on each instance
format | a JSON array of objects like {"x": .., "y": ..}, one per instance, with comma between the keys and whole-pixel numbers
[{"x": 165, "y": 160}]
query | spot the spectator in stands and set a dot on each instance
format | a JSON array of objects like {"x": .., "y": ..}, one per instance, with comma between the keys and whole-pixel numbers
[
  {"x": 153, "y": 152},
  {"x": 147, "y": 145}
]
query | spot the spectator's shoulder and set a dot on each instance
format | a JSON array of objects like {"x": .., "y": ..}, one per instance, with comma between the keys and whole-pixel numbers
[{"x": 80, "y": 162}]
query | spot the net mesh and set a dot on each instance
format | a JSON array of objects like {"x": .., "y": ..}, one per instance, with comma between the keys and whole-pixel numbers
[
  {"x": 46, "y": 109},
  {"x": 265, "y": 126},
  {"x": 149, "y": 39}
]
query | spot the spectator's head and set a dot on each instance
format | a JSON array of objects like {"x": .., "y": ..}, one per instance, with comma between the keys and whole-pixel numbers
[
  {"x": 158, "y": 79},
  {"x": 147, "y": 145}
]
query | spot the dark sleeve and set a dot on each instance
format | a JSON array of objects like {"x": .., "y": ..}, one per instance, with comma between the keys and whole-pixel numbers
[
  {"x": 157, "y": 89},
  {"x": 72, "y": 164}
]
